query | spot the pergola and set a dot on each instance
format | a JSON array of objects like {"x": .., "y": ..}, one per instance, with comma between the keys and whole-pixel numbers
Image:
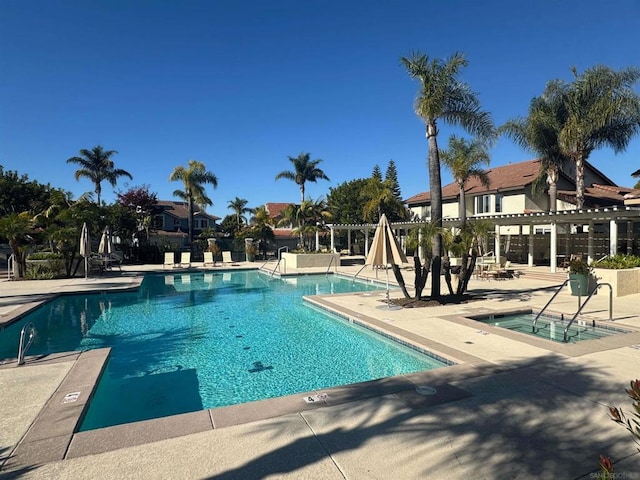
[{"x": 611, "y": 215}]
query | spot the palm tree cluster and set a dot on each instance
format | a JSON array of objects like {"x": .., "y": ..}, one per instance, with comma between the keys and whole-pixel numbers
[
  {"x": 443, "y": 96},
  {"x": 572, "y": 119}
]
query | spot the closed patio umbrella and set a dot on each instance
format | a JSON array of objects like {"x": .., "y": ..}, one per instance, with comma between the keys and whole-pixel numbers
[
  {"x": 384, "y": 249},
  {"x": 85, "y": 248},
  {"x": 106, "y": 245}
]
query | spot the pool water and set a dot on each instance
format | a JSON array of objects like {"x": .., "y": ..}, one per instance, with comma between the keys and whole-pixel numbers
[
  {"x": 187, "y": 342},
  {"x": 550, "y": 327}
]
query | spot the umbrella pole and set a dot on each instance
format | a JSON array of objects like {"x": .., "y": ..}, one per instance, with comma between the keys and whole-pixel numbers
[
  {"x": 86, "y": 268},
  {"x": 387, "y": 269}
]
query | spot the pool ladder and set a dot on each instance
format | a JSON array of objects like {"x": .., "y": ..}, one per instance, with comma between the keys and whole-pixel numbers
[
  {"x": 22, "y": 348},
  {"x": 580, "y": 304}
]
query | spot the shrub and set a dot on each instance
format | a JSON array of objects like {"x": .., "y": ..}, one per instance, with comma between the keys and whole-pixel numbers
[
  {"x": 42, "y": 271},
  {"x": 618, "y": 262},
  {"x": 45, "y": 256},
  {"x": 577, "y": 266}
]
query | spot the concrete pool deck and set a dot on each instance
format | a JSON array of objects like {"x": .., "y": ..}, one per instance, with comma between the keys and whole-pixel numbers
[{"x": 512, "y": 407}]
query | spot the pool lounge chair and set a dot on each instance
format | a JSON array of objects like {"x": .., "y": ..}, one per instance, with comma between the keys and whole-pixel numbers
[
  {"x": 169, "y": 260},
  {"x": 185, "y": 259},
  {"x": 226, "y": 257},
  {"x": 208, "y": 260}
]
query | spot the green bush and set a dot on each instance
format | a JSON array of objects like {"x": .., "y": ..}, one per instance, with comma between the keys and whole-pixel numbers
[
  {"x": 618, "y": 262},
  {"x": 42, "y": 271},
  {"x": 45, "y": 256}
]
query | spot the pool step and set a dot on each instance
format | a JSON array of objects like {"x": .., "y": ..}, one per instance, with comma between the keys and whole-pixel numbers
[{"x": 557, "y": 277}]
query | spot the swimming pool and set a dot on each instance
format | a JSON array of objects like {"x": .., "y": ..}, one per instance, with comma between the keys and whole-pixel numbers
[
  {"x": 550, "y": 327},
  {"x": 193, "y": 341}
]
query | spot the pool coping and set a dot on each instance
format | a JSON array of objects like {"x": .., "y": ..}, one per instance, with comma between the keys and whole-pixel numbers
[{"x": 53, "y": 436}]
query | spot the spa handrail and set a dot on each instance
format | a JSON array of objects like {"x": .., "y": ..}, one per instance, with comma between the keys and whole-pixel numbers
[
  {"x": 566, "y": 329},
  {"x": 535, "y": 320}
]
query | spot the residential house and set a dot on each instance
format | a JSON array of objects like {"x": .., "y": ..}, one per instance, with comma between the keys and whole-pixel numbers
[
  {"x": 171, "y": 225},
  {"x": 517, "y": 208}
]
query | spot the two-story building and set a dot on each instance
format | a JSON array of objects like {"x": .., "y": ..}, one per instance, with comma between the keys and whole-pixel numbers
[
  {"x": 525, "y": 229},
  {"x": 170, "y": 226}
]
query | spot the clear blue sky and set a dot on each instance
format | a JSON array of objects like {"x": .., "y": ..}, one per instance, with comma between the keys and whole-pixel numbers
[{"x": 241, "y": 85}]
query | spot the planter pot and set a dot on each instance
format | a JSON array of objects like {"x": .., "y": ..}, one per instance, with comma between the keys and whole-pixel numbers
[
  {"x": 251, "y": 257},
  {"x": 580, "y": 284},
  {"x": 308, "y": 260},
  {"x": 624, "y": 281}
]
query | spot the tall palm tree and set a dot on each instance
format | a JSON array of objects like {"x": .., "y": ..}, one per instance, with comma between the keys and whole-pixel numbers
[
  {"x": 442, "y": 96},
  {"x": 463, "y": 159},
  {"x": 304, "y": 170},
  {"x": 97, "y": 166},
  {"x": 540, "y": 133},
  {"x": 194, "y": 177},
  {"x": 239, "y": 206},
  {"x": 602, "y": 109}
]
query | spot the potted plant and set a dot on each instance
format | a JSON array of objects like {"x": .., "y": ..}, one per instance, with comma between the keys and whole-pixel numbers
[{"x": 579, "y": 274}]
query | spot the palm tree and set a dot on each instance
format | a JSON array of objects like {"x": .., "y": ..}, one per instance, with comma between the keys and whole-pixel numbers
[
  {"x": 540, "y": 132},
  {"x": 239, "y": 206},
  {"x": 602, "y": 109},
  {"x": 304, "y": 170},
  {"x": 15, "y": 227},
  {"x": 443, "y": 96},
  {"x": 194, "y": 178},
  {"x": 97, "y": 166},
  {"x": 463, "y": 159}
]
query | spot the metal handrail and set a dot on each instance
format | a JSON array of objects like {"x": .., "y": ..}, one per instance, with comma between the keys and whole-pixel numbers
[
  {"x": 566, "y": 329},
  {"x": 358, "y": 273},
  {"x": 22, "y": 348},
  {"x": 280, "y": 251},
  {"x": 535, "y": 320},
  {"x": 278, "y": 264},
  {"x": 10, "y": 266},
  {"x": 330, "y": 262}
]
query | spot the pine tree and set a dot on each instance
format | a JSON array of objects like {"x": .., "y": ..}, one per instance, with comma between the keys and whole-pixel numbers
[
  {"x": 391, "y": 176},
  {"x": 377, "y": 173}
]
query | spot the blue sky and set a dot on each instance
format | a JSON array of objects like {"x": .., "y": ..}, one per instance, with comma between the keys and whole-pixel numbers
[{"x": 242, "y": 85}]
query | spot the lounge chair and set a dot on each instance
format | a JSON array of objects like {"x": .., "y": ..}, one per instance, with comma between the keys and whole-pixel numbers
[
  {"x": 169, "y": 260},
  {"x": 208, "y": 260},
  {"x": 185, "y": 259},
  {"x": 226, "y": 257}
]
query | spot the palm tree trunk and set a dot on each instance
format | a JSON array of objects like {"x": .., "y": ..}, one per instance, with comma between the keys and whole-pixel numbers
[
  {"x": 301, "y": 193},
  {"x": 435, "y": 190},
  {"x": 190, "y": 202},
  {"x": 98, "y": 191},
  {"x": 463, "y": 206},
  {"x": 552, "y": 178},
  {"x": 579, "y": 180}
]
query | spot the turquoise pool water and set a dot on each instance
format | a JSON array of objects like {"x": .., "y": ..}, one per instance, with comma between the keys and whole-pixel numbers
[
  {"x": 550, "y": 327},
  {"x": 187, "y": 342}
]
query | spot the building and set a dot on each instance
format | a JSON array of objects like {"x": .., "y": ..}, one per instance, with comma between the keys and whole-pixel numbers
[
  {"x": 525, "y": 229},
  {"x": 170, "y": 225}
]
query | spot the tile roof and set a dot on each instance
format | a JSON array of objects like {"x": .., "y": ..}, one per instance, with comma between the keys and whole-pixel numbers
[
  {"x": 181, "y": 210},
  {"x": 597, "y": 195},
  {"x": 275, "y": 209},
  {"x": 506, "y": 177}
]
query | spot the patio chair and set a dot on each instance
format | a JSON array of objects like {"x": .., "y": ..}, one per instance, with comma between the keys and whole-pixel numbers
[
  {"x": 185, "y": 259},
  {"x": 208, "y": 260},
  {"x": 226, "y": 256},
  {"x": 169, "y": 260}
]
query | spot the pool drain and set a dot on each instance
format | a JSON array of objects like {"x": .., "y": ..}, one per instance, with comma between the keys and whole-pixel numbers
[{"x": 424, "y": 390}]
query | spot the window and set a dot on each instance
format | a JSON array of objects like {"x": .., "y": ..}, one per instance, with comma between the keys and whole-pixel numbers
[
  {"x": 498, "y": 202},
  {"x": 483, "y": 204}
]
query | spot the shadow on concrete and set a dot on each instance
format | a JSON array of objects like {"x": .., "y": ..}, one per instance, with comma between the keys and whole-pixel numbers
[{"x": 543, "y": 418}]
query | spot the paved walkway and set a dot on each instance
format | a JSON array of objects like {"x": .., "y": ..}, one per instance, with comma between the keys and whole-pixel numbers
[{"x": 515, "y": 408}]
